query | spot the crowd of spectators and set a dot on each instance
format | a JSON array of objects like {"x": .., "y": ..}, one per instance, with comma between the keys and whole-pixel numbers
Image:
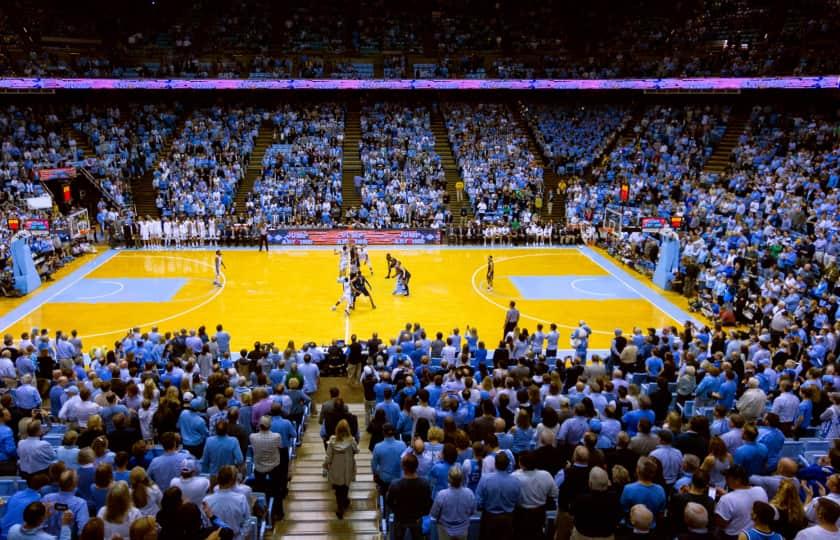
[
  {"x": 301, "y": 171},
  {"x": 207, "y": 161},
  {"x": 572, "y": 138},
  {"x": 522, "y": 39},
  {"x": 402, "y": 182},
  {"x": 502, "y": 177},
  {"x": 126, "y": 143},
  {"x": 693, "y": 433}
]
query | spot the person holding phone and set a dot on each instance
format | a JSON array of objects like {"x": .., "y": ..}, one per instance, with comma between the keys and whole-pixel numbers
[{"x": 34, "y": 517}]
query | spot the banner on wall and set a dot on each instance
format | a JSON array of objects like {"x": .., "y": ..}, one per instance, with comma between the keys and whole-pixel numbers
[
  {"x": 56, "y": 174},
  {"x": 325, "y": 237},
  {"x": 654, "y": 224},
  {"x": 37, "y": 227}
]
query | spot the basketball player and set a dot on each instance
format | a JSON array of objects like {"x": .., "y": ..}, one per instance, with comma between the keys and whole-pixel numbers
[
  {"x": 491, "y": 272},
  {"x": 392, "y": 265},
  {"x": 364, "y": 258},
  {"x": 346, "y": 295},
  {"x": 219, "y": 264},
  {"x": 343, "y": 261},
  {"x": 361, "y": 287},
  {"x": 167, "y": 232}
]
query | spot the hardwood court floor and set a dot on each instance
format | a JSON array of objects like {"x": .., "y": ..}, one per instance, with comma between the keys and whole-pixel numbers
[{"x": 287, "y": 294}]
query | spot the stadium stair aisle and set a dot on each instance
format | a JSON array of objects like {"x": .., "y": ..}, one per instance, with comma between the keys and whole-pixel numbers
[
  {"x": 450, "y": 168},
  {"x": 254, "y": 168},
  {"x": 719, "y": 160},
  {"x": 351, "y": 162},
  {"x": 310, "y": 504},
  {"x": 550, "y": 178},
  {"x": 142, "y": 188},
  {"x": 82, "y": 182}
]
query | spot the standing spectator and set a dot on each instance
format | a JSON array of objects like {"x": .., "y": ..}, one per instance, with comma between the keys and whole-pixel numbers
[
  {"x": 734, "y": 510},
  {"x": 828, "y": 512},
  {"x": 497, "y": 495},
  {"x": 167, "y": 466},
  {"x": 762, "y": 517},
  {"x": 67, "y": 483},
  {"x": 410, "y": 498},
  {"x": 33, "y": 520},
  {"x": 669, "y": 457},
  {"x": 511, "y": 319},
  {"x": 220, "y": 450},
  {"x": 537, "y": 487},
  {"x": 645, "y": 491},
  {"x": 751, "y": 455},
  {"x": 340, "y": 465},
  {"x": 119, "y": 512},
  {"x": 17, "y": 503},
  {"x": 597, "y": 511},
  {"x": 193, "y": 486},
  {"x": 268, "y": 461},
  {"x": 226, "y": 503},
  {"x": 35, "y": 453},
  {"x": 453, "y": 508},
  {"x": 385, "y": 461}
]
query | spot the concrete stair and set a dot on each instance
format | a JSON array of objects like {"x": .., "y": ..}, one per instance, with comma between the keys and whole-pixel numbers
[
  {"x": 718, "y": 162},
  {"x": 351, "y": 162},
  {"x": 254, "y": 168},
  {"x": 310, "y": 504},
  {"x": 143, "y": 188},
  {"x": 550, "y": 178},
  {"x": 450, "y": 168}
]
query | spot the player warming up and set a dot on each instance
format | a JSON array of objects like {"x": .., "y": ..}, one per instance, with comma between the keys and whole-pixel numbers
[
  {"x": 392, "y": 264},
  {"x": 491, "y": 272},
  {"x": 219, "y": 264}
]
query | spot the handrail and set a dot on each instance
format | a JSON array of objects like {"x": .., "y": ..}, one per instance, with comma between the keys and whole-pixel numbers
[{"x": 96, "y": 183}]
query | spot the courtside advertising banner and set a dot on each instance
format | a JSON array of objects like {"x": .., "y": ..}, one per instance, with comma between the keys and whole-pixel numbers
[{"x": 327, "y": 237}]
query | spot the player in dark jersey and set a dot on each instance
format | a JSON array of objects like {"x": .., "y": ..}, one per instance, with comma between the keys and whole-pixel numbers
[
  {"x": 361, "y": 287},
  {"x": 491, "y": 272},
  {"x": 392, "y": 265}
]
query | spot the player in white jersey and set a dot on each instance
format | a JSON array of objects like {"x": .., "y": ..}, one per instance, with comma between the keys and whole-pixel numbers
[
  {"x": 545, "y": 237},
  {"x": 346, "y": 295},
  {"x": 143, "y": 224},
  {"x": 167, "y": 232},
  {"x": 201, "y": 231},
  {"x": 537, "y": 340},
  {"x": 364, "y": 258},
  {"x": 212, "y": 234},
  {"x": 218, "y": 264},
  {"x": 185, "y": 232},
  {"x": 343, "y": 260},
  {"x": 156, "y": 231}
]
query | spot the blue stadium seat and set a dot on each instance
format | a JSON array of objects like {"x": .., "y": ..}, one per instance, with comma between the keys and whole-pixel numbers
[
  {"x": 816, "y": 445},
  {"x": 792, "y": 449},
  {"x": 9, "y": 485},
  {"x": 811, "y": 458}
]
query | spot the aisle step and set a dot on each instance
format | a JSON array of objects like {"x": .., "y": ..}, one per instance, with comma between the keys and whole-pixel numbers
[
  {"x": 326, "y": 515},
  {"x": 327, "y": 495},
  {"x": 323, "y": 485},
  {"x": 325, "y": 505},
  {"x": 334, "y": 526}
]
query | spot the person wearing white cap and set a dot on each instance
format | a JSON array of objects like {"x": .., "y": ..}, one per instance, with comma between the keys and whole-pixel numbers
[{"x": 193, "y": 487}]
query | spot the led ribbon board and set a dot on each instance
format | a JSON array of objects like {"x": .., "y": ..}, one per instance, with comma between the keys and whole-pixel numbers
[{"x": 825, "y": 82}]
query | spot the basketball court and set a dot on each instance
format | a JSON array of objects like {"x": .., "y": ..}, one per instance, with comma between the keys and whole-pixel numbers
[{"x": 287, "y": 294}]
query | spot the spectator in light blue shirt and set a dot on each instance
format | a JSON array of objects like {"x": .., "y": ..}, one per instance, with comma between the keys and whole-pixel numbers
[
  {"x": 221, "y": 450},
  {"x": 8, "y": 449},
  {"x": 631, "y": 419},
  {"x": 35, "y": 454},
  {"x": 572, "y": 430},
  {"x": 193, "y": 430},
  {"x": 772, "y": 438},
  {"x": 385, "y": 461},
  {"x": 439, "y": 475},
  {"x": 26, "y": 396},
  {"x": 311, "y": 375},
  {"x": 453, "y": 507},
  {"x": 18, "y": 502},
  {"x": 34, "y": 517},
  {"x": 392, "y": 410},
  {"x": 223, "y": 340},
  {"x": 165, "y": 467},
  {"x": 644, "y": 491},
  {"x": 281, "y": 426},
  {"x": 68, "y": 482},
  {"x": 497, "y": 495},
  {"x": 57, "y": 396},
  {"x": 670, "y": 458},
  {"x": 751, "y": 455}
]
